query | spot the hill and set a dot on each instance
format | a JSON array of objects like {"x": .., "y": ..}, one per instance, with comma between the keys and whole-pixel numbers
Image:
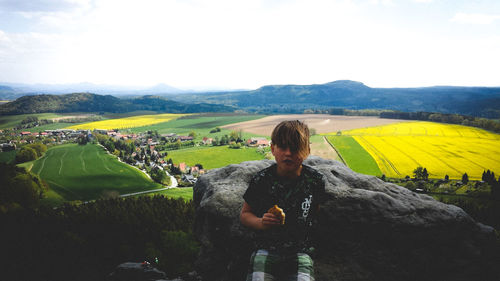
[
  {"x": 474, "y": 101},
  {"x": 86, "y": 102}
]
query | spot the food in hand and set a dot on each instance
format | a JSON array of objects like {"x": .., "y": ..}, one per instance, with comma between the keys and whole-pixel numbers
[{"x": 278, "y": 212}]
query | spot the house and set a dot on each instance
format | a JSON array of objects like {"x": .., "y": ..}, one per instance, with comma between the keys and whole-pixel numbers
[
  {"x": 8, "y": 146},
  {"x": 185, "y": 138},
  {"x": 189, "y": 178},
  {"x": 207, "y": 141},
  {"x": 257, "y": 142},
  {"x": 182, "y": 167}
]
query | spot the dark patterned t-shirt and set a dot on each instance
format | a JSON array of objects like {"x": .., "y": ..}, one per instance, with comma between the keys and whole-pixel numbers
[{"x": 299, "y": 198}]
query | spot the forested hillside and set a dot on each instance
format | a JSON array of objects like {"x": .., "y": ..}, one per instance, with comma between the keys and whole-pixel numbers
[
  {"x": 86, "y": 102},
  {"x": 473, "y": 101}
]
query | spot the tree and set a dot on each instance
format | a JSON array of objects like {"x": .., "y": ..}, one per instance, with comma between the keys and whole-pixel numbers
[
  {"x": 159, "y": 175},
  {"x": 235, "y": 136},
  {"x": 39, "y": 148},
  {"x": 465, "y": 178},
  {"x": 419, "y": 173},
  {"x": 82, "y": 139},
  {"x": 19, "y": 186},
  {"x": 26, "y": 154},
  {"x": 192, "y": 134},
  {"x": 425, "y": 174}
]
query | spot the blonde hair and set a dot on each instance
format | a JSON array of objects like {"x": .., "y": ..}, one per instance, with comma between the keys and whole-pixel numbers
[{"x": 293, "y": 135}]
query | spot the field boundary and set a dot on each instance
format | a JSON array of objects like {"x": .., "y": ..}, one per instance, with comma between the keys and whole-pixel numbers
[{"x": 338, "y": 153}]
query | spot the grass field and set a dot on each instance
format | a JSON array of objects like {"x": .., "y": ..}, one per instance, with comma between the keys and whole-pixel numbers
[
  {"x": 87, "y": 172},
  {"x": 214, "y": 157},
  {"x": 356, "y": 157},
  {"x": 200, "y": 124},
  {"x": 127, "y": 122},
  {"x": 185, "y": 193},
  {"x": 443, "y": 149},
  {"x": 11, "y": 121}
]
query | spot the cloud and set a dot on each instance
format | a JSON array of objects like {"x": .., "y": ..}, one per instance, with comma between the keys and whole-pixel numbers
[
  {"x": 41, "y": 5},
  {"x": 475, "y": 18},
  {"x": 382, "y": 2},
  {"x": 423, "y": 1}
]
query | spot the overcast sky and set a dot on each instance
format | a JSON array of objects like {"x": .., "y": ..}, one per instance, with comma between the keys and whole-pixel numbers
[{"x": 193, "y": 44}]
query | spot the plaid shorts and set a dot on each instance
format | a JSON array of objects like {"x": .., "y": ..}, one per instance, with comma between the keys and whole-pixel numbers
[{"x": 267, "y": 266}]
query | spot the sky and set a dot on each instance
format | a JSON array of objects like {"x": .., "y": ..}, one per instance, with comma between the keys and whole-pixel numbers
[{"x": 246, "y": 44}]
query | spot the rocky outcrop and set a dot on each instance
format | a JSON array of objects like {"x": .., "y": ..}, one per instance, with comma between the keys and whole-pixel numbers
[{"x": 370, "y": 230}]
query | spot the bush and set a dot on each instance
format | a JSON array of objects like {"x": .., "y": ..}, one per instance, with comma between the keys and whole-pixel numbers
[{"x": 26, "y": 154}]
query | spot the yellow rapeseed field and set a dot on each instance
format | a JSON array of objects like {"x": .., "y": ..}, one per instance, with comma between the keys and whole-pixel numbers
[
  {"x": 128, "y": 122},
  {"x": 443, "y": 149}
]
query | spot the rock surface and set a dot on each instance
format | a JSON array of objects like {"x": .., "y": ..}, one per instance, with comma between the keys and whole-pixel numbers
[{"x": 370, "y": 230}]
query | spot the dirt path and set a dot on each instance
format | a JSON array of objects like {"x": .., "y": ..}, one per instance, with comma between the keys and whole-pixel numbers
[
  {"x": 320, "y": 147},
  {"x": 322, "y": 123}
]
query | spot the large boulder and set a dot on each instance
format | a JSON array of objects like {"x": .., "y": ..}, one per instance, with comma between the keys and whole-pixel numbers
[{"x": 369, "y": 230}]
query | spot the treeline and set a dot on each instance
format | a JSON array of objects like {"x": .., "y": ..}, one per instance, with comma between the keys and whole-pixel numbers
[
  {"x": 30, "y": 152},
  {"x": 86, "y": 242},
  {"x": 480, "y": 199},
  {"x": 483, "y": 123},
  {"x": 33, "y": 121}
]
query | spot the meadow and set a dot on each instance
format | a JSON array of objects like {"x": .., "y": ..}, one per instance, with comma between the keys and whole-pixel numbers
[
  {"x": 214, "y": 157},
  {"x": 127, "y": 122},
  {"x": 201, "y": 124},
  {"x": 10, "y": 121},
  {"x": 443, "y": 149},
  {"x": 354, "y": 155},
  {"x": 186, "y": 193},
  {"x": 76, "y": 172}
]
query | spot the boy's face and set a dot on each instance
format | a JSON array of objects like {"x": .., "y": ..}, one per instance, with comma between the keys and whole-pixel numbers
[{"x": 289, "y": 163}]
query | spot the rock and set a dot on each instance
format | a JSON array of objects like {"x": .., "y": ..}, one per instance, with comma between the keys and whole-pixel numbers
[
  {"x": 133, "y": 271},
  {"x": 370, "y": 230}
]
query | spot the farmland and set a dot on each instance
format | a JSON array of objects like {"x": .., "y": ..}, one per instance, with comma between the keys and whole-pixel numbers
[
  {"x": 214, "y": 157},
  {"x": 87, "y": 172},
  {"x": 10, "y": 121},
  {"x": 443, "y": 149},
  {"x": 128, "y": 122},
  {"x": 355, "y": 156},
  {"x": 201, "y": 124}
]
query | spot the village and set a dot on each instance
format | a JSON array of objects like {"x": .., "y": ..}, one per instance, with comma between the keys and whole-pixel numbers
[{"x": 147, "y": 151}]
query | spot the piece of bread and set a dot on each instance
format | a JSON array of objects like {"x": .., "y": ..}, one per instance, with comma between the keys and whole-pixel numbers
[{"x": 277, "y": 211}]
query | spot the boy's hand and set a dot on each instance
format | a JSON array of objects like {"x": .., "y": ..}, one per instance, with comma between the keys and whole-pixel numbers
[{"x": 269, "y": 220}]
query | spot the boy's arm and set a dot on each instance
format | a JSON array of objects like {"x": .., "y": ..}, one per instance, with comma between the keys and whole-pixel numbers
[{"x": 249, "y": 219}]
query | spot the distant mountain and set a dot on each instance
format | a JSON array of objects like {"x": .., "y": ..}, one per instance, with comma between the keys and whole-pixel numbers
[
  {"x": 474, "y": 101},
  {"x": 86, "y": 102},
  {"x": 11, "y": 91}
]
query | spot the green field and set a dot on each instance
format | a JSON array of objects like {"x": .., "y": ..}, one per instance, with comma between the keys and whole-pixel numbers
[
  {"x": 354, "y": 155},
  {"x": 87, "y": 172},
  {"x": 200, "y": 124},
  {"x": 185, "y": 193},
  {"x": 10, "y": 121},
  {"x": 214, "y": 157}
]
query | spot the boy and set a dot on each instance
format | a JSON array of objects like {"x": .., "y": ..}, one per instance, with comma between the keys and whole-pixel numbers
[{"x": 283, "y": 249}]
